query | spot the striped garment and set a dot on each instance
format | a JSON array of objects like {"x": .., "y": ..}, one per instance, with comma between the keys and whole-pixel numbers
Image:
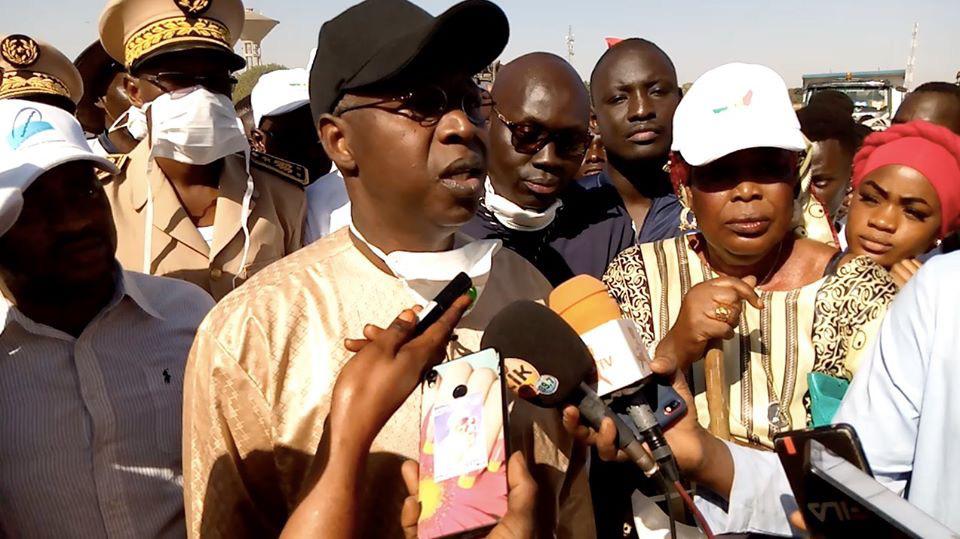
[{"x": 90, "y": 427}]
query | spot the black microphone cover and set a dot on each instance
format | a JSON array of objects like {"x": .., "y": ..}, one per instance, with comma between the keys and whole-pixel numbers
[{"x": 553, "y": 360}]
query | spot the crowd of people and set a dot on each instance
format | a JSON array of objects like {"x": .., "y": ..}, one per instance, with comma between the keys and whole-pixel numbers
[{"x": 200, "y": 297}]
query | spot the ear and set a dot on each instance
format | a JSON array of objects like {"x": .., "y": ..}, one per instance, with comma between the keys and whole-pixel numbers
[
  {"x": 258, "y": 140},
  {"x": 334, "y": 136},
  {"x": 132, "y": 88}
]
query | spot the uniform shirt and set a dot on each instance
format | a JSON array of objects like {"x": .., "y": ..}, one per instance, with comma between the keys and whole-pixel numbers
[
  {"x": 589, "y": 231},
  {"x": 902, "y": 404},
  {"x": 90, "y": 427},
  {"x": 328, "y": 207},
  {"x": 275, "y": 222},
  {"x": 259, "y": 386}
]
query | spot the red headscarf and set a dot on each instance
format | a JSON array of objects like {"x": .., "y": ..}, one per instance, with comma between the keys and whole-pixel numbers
[{"x": 931, "y": 150}]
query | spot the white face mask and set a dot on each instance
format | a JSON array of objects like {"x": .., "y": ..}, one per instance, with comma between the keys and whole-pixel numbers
[
  {"x": 134, "y": 120},
  {"x": 426, "y": 274},
  {"x": 513, "y": 216},
  {"x": 195, "y": 126}
]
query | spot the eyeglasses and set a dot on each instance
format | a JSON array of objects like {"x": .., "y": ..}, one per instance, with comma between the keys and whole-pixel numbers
[
  {"x": 428, "y": 104},
  {"x": 529, "y": 138},
  {"x": 171, "y": 81}
]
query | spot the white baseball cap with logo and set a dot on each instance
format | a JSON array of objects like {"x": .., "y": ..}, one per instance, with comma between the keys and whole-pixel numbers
[
  {"x": 735, "y": 107},
  {"x": 279, "y": 92},
  {"x": 35, "y": 138}
]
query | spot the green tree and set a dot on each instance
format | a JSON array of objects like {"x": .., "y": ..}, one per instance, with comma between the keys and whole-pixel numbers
[{"x": 248, "y": 79}]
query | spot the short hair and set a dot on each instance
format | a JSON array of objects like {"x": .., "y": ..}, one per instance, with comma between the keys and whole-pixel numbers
[
  {"x": 824, "y": 121},
  {"x": 938, "y": 87},
  {"x": 635, "y": 42}
]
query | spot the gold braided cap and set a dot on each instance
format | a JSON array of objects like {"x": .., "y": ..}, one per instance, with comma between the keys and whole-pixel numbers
[
  {"x": 33, "y": 67},
  {"x": 133, "y": 29}
]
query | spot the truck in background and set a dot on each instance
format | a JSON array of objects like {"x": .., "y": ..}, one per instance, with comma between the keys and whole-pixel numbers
[{"x": 876, "y": 95}]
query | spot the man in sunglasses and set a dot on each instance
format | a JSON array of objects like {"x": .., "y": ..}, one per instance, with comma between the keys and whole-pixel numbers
[
  {"x": 192, "y": 201},
  {"x": 539, "y": 134},
  {"x": 635, "y": 93},
  {"x": 399, "y": 114}
]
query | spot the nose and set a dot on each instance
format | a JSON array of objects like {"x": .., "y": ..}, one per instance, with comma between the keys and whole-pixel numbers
[
  {"x": 595, "y": 153},
  {"x": 641, "y": 107},
  {"x": 548, "y": 159},
  {"x": 884, "y": 219},
  {"x": 455, "y": 127},
  {"x": 747, "y": 191}
]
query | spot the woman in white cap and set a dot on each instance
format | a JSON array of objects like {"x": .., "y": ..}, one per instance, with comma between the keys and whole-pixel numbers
[{"x": 744, "y": 282}]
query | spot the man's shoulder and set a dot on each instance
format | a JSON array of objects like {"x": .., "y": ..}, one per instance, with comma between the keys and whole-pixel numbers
[
  {"x": 270, "y": 168},
  {"x": 167, "y": 294},
  {"x": 519, "y": 274}
]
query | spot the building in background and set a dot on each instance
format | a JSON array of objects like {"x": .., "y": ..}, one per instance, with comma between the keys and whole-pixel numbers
[{"x": 256, "y": 26}]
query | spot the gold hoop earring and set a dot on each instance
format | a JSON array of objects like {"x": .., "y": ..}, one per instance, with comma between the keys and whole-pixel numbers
[{"x": 688, "y": 220}]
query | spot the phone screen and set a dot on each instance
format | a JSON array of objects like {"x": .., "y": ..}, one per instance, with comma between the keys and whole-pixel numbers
[{"x": 463, "y": 450}]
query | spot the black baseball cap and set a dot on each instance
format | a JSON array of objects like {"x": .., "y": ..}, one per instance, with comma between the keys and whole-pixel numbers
[{"x": 381, "y": 41}]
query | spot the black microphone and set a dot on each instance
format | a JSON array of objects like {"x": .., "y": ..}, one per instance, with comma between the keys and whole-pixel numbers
[{"x": 546, "y": 363}]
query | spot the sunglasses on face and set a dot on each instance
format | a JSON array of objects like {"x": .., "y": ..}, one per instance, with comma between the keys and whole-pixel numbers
[
  {"x": 172, "y": 81},
  {"x": 529, "y": 139},
  {"x": 427, "y": 105}
]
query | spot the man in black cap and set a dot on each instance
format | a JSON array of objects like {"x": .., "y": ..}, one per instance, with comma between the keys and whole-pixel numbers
[{"x": 397, "y": 111}]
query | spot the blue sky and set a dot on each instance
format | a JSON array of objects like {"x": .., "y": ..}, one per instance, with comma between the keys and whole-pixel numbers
[{"x": 793, "y": 37}]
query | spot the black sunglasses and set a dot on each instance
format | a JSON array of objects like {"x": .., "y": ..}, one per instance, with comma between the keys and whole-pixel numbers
[
  {"x": 170, "y": 81},
  {"x": 529, "y": 138},
  {"x": 428, "y": 104}
]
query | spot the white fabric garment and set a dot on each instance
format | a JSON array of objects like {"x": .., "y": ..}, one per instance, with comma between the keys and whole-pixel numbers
[
  {"x": 902, "y": 404},
  {"x": 206, "y": 232},
  {"x": 328, "y": 207},
  {"x": 513, "y": 216},
  {"x": 90, "y": 427},
  {"x": 426, "y": 274},
  {"x": 134, "y": 120}
]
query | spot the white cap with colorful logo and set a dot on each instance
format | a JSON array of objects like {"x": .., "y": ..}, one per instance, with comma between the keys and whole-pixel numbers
[
  {"x": 735, "y": 107},
  {"x": 35, "y": 138}
]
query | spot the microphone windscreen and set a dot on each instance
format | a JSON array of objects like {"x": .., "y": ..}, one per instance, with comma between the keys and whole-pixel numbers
[
  {"x": 584, "y": 303},
  {"x": 544, "y": 358}
]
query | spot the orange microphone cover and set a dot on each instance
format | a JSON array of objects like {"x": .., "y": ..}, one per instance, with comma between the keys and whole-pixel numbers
[{"x": 584, "y": 302}]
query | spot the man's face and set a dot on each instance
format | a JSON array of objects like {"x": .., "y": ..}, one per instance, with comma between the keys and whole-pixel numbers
[
  {"x": 115, "y": 102},
  {"x": 934, "y": 107},
  {"x": 830, "y": 174},
  {"x": 419, "y": 170},
  {"x": 171, "y": 72},
  {"x": 635, "y": 94},
  {"x": 65, "y": 235},
  {"x": 596, "y": 156},
  {"x": 535, "y": 108},
  {"x": 291, "y": 136}
]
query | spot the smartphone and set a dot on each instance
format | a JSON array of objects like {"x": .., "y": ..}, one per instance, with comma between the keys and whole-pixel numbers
[
  {"x": 793, "y": 449},
  {"x": 463, "y": 448}
]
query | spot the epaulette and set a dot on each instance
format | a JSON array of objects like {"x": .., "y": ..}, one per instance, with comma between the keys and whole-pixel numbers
[
  {"x": 119, "y": 160},
  {"x": 292, "y": 172}
]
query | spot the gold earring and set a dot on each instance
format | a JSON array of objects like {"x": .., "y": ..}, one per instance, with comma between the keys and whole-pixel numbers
[{"x": 688, "y": 220}]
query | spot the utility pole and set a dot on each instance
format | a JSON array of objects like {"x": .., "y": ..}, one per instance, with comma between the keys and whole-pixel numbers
[
  {"x": 912, "y": 60},
  {"x": 570, "y": 40}
]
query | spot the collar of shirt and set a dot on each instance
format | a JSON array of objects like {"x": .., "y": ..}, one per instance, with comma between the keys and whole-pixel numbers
[{"x": 126, "y": 287}]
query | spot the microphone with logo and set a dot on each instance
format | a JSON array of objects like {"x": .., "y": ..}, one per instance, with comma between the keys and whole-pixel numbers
[
  {"x": 623, "y": 370},
  {"x": 546, "y": 363}
]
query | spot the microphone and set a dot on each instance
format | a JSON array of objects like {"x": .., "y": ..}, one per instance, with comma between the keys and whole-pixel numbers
[
  {"x": 622, "y": 359},
  {"x": 546, "y": 363}
]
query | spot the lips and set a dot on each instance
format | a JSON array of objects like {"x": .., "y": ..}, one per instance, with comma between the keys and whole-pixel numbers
[
  {"x": 874, "y": 246},
  {"x": 644, "y": 134},
  {"x": 749, "y": 226},
  {"x": 592, "y": 168},
  {"x": 541, "y": 186},
  {"x": 464, "y": 177}
]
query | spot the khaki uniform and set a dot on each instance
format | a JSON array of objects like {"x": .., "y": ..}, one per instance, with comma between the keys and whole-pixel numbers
[{"x": 276, "y": 217}]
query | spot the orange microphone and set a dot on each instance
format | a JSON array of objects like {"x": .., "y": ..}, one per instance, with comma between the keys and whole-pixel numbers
[{"x": 621, "y": 357}]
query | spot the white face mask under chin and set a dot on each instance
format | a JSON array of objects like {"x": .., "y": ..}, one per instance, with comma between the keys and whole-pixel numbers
[
  {"x": 134, "y": 120},
  {"x": 513, "y": 216},
  {"x": 426, "y": 274},
  {"x": 195, "y": 126}
]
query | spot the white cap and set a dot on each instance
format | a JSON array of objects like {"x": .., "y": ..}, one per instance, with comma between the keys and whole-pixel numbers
[
  {"x": 35, "y": 138},
  {"x": 734, "y": 107},
  {"x": 279, "y": 92}
]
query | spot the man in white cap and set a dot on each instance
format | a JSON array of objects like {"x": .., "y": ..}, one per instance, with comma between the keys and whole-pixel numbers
[
  {"x": 93, "y": 356},
  {"x": 283, "y": 127}
]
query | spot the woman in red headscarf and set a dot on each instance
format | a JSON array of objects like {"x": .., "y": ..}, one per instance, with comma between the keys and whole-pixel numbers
[{"x": 907, "y": 196}]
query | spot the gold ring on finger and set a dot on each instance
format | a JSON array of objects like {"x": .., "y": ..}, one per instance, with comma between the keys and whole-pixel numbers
[{"x": 722, "y": 313}]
